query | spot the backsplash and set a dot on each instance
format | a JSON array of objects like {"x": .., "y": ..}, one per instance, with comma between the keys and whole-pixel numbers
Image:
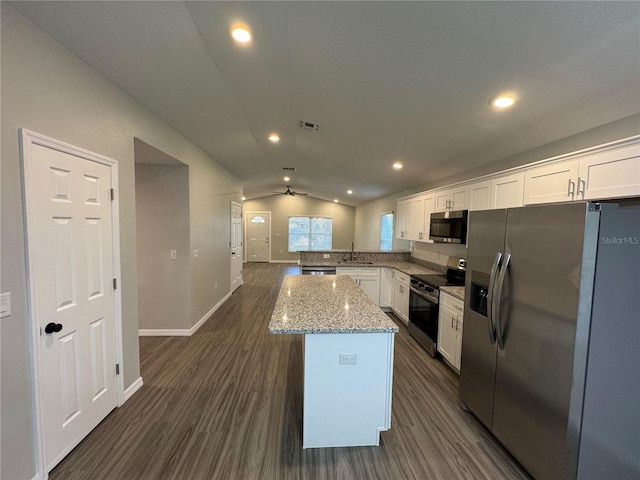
[
  {"x": 340, "y": 255},
  {"x": 436, "y": 253}
]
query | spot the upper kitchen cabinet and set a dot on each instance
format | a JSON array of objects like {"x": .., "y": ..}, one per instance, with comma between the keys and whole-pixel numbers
[
  {"x": 551, "y": 183},
  {"x": 503, "y": 191},
  {"x": 451, "y": 199},
  {"x": 507, "y": 190},
  {"x": 609, "y": 172},
  {"x": 414, "y": 214}
]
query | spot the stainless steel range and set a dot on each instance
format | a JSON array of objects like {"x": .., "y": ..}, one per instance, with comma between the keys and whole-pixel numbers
[{"x": 424, "y": 300}]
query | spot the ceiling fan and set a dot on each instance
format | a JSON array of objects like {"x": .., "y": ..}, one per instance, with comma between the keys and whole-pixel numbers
[{"x": 290, "y": 192}]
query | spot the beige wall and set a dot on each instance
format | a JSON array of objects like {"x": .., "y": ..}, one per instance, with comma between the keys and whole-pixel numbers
[
  {"x": 162, "y": 225},
  {"x": 282, "y": 207},
  {"x": 368, "y": 213},
  {"x": 367, "y": 226},
  {"x": 47, "y": 89}
]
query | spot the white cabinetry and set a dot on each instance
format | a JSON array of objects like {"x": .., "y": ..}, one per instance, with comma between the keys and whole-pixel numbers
[
  {"x": 551, "y": 183},
  {"x": 400, "y": 304},
  {"x": 503, "y": 191},
  {"x": 414, "y": 214},
  {"x": 609, "y": 173},
  {"x": 368, "y": 278},
  {"x": 401, "y": 219},
  {"x": 451, "y": 199},
  {"x": 507, "y": 191},
  {"x": 386, "y": 287},
  {"x": 480, "y": 195},
  {"x": 450, "y": 329}
]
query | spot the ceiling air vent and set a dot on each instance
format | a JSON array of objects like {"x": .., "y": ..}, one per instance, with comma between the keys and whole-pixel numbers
[
  {"x": 314, "y": 127},
  {"x": 289, "y": 169}
]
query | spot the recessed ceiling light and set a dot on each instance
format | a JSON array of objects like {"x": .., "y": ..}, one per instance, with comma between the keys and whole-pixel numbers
[
  {"x": 286, "y": 179},
  {"x": 241, "y": 34},
  {"x": 274, "y": 138},
  {"x": 502, "y": 101},
  {"x": 397, "y": 165},
  {"x": 349, "y": 192},
  {"x": 335, "y": 200},
  {"x": 244, "y": 198}
]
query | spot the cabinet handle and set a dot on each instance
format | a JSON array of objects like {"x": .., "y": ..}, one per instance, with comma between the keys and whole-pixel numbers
[
  {"x": 584, "y": 185},
  {"x": 571, "y": 188},
  {"x": 457, "y": 307},
  {"x": 457, "y": 324},
  {"x": 452, "y": 320}
]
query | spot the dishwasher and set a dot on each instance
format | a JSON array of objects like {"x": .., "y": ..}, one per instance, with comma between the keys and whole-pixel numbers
[{"x": 318, "y": 270}]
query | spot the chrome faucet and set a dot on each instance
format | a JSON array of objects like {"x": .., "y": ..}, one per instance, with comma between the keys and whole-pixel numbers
[{"x": 352, "y": 255}]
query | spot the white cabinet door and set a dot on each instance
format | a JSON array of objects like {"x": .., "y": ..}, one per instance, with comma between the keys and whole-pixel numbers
[
  {"x": 401, "y": 300},
  {"x": 417, "y": 218},
  {"x": 452, "y": 199},
  {"x": 429, "y": 208},
  {"x": 371, "y": 286},
  {"x": 450, "y": 329},
  {"x": 507, "y": 191},
  {"x": 447, "y": 341},
  {"x": 401, "y": 220},
  {"x": 480, "y": 196},
  {"x": 611, "y": 174},
  {"x": 551, "y": 183},
  {"x": 351, "y": 271},
  {"x": 459, "y": 326},
  {"x": 386, "y": 287},
  {"x": 367, "y": 278}
]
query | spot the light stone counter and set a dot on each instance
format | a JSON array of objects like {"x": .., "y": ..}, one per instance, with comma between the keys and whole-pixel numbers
[
  {"x": 457, "y": 292},
  {"x": 409, "y": 268},
  {"x": 326, "y": 304}
]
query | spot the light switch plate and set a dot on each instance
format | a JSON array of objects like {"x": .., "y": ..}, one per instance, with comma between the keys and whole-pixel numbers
[
  {"x": 5, "y": 305},
  {"x": 173, "y": 254},
  {"x": 325, "y": 255}
]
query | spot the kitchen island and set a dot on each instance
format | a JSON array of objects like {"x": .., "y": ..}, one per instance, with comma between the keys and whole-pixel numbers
[{"x": 348, "y": 358}]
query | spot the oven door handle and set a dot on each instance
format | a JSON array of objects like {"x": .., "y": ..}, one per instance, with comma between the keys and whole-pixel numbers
[{"x": 422, "y": 295}]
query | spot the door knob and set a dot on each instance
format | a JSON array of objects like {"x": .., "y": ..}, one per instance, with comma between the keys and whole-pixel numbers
[{"x": 53, "y": 327}]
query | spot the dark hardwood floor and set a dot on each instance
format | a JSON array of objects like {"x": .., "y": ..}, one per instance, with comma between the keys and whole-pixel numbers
[{"x": 226, "y": 403}]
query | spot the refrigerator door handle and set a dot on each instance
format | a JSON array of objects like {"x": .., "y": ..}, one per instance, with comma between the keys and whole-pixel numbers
[
  {"x": 492, "y": 281},
  {"x": 503, "y": 274}
]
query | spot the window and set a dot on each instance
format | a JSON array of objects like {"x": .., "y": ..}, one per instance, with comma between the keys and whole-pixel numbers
[
  {"x": 258, "y": 219},
  {"x": 386, "y": 231},
  {"x": 310, "y": 233}
]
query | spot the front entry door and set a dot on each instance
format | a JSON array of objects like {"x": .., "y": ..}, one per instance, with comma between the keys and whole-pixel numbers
[
  {"x": 236, "y": 245},
  {"x": 71, "y": 277},
  {"x": 258, "y": 227}
]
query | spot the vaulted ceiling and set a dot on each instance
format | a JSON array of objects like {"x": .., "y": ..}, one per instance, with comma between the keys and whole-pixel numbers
[{"x": 386, "y": 81}]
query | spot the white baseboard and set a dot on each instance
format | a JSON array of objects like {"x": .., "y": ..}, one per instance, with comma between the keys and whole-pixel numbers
[
  {"x": 133, "y": 388},
  {"x": 181, "y": 332},
  {"x": 209, "y": 313}
]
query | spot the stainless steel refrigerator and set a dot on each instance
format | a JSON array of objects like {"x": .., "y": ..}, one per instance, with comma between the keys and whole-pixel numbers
[{"x": 551, "y": 340}]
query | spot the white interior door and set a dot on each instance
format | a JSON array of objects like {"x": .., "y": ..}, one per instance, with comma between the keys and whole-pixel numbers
[
  {"x": 236, "y": 245},
  {"x": 71, "y": 276},
  {"x": 258, "y": 231}
]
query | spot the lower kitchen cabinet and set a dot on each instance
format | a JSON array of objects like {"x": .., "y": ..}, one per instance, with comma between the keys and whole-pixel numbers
[
  {"x": 400, "y": 302},
  {"x": 368, "y": 278},
  {"x": 386, "y": 287},
  {"x": 450, "y": 330}
]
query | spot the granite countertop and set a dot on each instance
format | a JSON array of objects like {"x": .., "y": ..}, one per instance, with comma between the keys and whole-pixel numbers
[
  {"x": 409, "y": 268},
  {"x": 457, "y": 292},
  {"x": 326, "y": 304}
]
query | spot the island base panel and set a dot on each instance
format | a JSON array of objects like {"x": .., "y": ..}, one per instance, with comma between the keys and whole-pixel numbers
[{"x": 347, "y": 404}]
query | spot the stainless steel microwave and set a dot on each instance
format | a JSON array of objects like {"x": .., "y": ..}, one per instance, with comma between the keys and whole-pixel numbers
[{"x": 449, "y": 227}]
